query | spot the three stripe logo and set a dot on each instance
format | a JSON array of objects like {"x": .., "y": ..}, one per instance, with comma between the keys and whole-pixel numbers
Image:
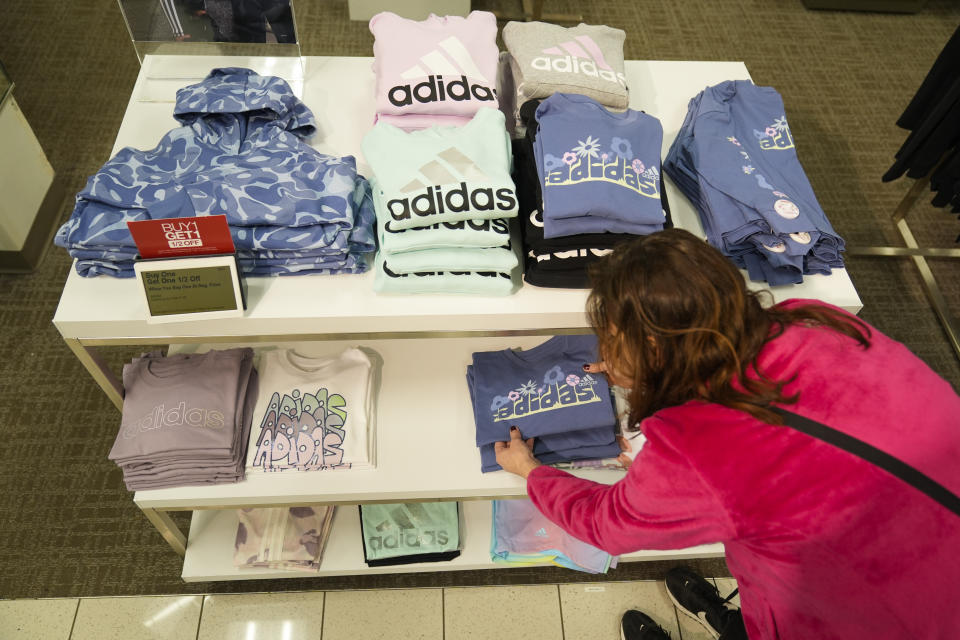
[
  {"x": 451, "y": 166},
  {"x": 579, "y": 55},
  {"x": 444, "y": 186},
  {"x": 580, "y": 47},
  {"x": 451, "y": 58}
]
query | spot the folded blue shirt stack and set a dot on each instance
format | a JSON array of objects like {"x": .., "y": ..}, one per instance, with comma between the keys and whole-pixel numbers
[
  {"x": 240, "y": 152},
  {"x": 599, "y": 170},
  {"x": 734, "y": 158},
  {"x": 546, "y": 394}
]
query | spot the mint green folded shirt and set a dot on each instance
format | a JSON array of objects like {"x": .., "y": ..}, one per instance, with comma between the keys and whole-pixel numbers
[
  {"x": 501, "y": 259},
  {"x": 442, "y": 174},
  {"x": 494, "y": 232},
  {"x": 490, "y": 283}
]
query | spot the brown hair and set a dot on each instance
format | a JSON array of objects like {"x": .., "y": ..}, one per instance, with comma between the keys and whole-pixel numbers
[{"x": 674, "y": 315}]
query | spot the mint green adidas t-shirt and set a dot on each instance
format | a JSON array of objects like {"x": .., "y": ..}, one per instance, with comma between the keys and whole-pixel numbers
[
  {"x": 501, "y": 259},
  {"x": 442, "y": 174},
  {"x": 494, "y": 232},
  {"x": 486, "y": 283}
]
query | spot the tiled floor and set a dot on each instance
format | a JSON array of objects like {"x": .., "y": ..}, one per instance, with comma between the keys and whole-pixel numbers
[{"x": 583, "y": 611}]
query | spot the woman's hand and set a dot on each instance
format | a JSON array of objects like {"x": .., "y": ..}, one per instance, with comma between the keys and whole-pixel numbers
[
  {"x": 516, "y": 456},
  {"x": 612, "y": 376},
  {"x": 625, "y": 446}
]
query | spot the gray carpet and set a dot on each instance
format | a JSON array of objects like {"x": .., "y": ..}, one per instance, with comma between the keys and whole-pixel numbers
[{"x": 67, "y": 526}]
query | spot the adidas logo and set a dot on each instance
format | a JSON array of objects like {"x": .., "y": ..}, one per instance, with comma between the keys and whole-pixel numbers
[
  {"x": 456, "y": 62},
  {"x": 450, "y": 167},
  {"x": 580, "y": 55},
  {"x": 590, "y": 252},
  {"x": 441, "y": 170},
  {"x": 178, "y": 416},
  {"x": 451, "y": 58},
  {"x": 496, "y": 225},
  {"x": 429, "y": 274},
  {"x": 541, "y": 533}
]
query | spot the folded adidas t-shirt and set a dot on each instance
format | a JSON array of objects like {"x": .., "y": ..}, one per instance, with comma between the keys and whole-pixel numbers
[
  {"x": 442, "y": 174},
  {"x": 502, "y": 259},
  {"x": 312, "y": 413},
  {"x": 542, "y": 391},
  {"x": 494, "y": 232},
  {"x": 598, "y": 168},
  {"x": 485, "y": 283},
  {"x": 585, "y": 59},
  {"x": 442, "y": 66}
]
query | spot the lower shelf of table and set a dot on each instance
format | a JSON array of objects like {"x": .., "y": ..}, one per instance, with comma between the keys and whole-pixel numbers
[{"x": 212, "y": 534}]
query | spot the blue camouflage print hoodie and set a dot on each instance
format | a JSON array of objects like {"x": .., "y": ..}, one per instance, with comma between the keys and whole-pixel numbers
[{"x": 240, "y": 151}]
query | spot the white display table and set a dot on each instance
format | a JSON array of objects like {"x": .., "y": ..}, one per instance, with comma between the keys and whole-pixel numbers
[{"x": 425, "y": 447}]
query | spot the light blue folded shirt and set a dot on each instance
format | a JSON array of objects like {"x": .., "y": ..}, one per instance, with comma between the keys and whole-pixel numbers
[{"x": 442, "y": 174}]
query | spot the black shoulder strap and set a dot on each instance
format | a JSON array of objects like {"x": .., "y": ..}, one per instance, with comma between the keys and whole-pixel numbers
[{"x": 884, "y": 460}]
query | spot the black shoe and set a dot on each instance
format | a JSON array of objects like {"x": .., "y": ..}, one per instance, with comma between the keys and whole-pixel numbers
[
  {"x": 636, "y": 625},
  {"x": 700, "y": 599}
]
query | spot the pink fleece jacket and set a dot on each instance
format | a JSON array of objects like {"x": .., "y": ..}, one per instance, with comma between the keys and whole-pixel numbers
[{"x": 822, "y": 544}]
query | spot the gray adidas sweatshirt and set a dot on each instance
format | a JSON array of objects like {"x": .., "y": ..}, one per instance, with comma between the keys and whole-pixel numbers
[{"x": 585, "y": 59}]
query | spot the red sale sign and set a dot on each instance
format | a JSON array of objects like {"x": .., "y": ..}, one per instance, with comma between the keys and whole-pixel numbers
[{"x": 170, "y": 237}]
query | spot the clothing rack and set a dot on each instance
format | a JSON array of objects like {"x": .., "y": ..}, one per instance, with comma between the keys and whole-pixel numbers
[{"x": 919, "y": 255}]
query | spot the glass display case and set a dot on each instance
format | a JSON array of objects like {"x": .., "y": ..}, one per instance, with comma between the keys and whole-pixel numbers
[
  {"x": 212, "y": 27},
  {"x": 6, "y": 86}
]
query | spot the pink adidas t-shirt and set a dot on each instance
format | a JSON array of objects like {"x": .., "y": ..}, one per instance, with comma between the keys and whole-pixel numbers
[{"x": 437, "y": 71}]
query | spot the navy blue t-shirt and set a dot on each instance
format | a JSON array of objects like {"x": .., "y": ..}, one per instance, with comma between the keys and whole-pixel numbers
[{"x": 543, "y": 391}]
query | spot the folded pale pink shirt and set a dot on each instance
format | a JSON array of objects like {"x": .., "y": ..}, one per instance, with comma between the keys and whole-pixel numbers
[
  {"x": 437, "y": 71},
  {"x": 282, "y": 538}
]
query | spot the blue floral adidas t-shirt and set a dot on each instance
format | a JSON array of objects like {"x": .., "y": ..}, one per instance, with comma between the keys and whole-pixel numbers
[
  {"x": 543, "y": 391},
  {"x": 598, "y": 164}
]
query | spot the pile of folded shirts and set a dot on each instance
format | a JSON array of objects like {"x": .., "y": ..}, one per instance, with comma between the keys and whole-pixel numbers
[
  {"x": 734, "y": 158},
  {"x": 282, "y": 538},
  {"x": 438, "y": 71},
  {"x": 524, "y": 536},
  {"x": 401, "y": 533},
  {"x": 313, "y": 413},
  {"x": 443, "y": 197},
  {"x": 240, "y": 152},
  {"x": 186, "y": 419},
  {"x": 546, "y": 394},
  {"x": 587, "y": 180},
  {"x": 543, "y": 59}
]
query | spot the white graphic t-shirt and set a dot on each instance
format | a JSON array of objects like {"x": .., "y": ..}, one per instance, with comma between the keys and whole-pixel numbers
[{"x": 312, "y": 413}]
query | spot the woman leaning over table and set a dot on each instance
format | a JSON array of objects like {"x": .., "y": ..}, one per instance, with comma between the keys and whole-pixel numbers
[{"x": 823, "y": 544}]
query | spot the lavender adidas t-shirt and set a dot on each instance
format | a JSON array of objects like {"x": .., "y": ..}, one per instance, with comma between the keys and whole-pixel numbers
[{"x": 182, "y": 404}]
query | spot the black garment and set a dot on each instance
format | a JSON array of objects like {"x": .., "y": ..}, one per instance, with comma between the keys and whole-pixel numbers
[
  {"x": 937, "y": 134},
  {"x": 933, "y": 118},
  {"x": 944, "y": 71},
  {"x": 251, "y": 16},
  {"x": 423, "y": 557},
  {"x": 220, "y": 13}
]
